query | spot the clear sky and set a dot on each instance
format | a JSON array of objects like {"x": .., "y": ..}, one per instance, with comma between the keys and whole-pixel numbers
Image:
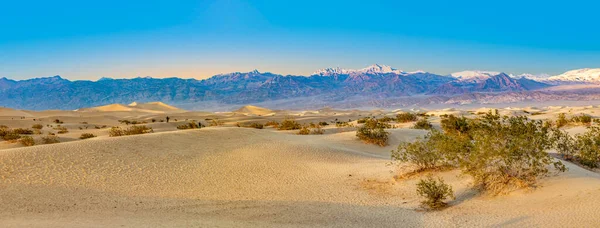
[{"x": 197, "y": 39}]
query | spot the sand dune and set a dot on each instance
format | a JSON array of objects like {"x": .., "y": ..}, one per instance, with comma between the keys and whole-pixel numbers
[
  {"x": 14, "y": 112},
  {"x": 254, "y": 110},
  {"x": 256, "y": 178},
  {"x": 155, "y": 106}
]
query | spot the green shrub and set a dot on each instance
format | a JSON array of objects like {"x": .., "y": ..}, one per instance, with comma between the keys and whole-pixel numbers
[
  {"x": 37, "y": 126},
  {"x": 588, "y": 147},
  {"x": 322, "y": 123},
  {"x": 455, "y": 125},
  {"x": 561, "y": 120},
  {"x": 374, "y": 123},
  {"x": 435, "y": 150},
  {"x": 10, "y": 136},
  {"x": 423, "y": 124},
  {"x": 288, "y": 124},
  {"x": 133, "y": 130},
  {"x": 582, "y": 119},
  {"x": 189, "y": 125},
  {"x": 385, "y": 119},
  {"x": 406, "y": 117},
  {"x": 87, "y": 136},
  {"x": 377, "y": 136},
  {"x": 27, "y": 141},
  {"x": 435, "y": 192},
  {"x": 116, "y": 131},
  {"x": 50, "y": 139},
  {"x": 564, "y": 144}
]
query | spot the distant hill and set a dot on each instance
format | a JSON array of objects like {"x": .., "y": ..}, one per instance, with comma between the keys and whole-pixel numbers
[{"x": 374, "y": 86}]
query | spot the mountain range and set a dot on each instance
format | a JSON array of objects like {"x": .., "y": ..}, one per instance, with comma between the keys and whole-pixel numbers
[{"x": 373, "y": 86}]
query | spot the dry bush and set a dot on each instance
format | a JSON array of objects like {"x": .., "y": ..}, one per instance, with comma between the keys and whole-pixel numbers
[
  {"x": 317, "y": 130},
  {"x": 322, "y": 123},
  {"x": 116, "y": 131},
  {"x": 374, "y": 123},
  {"x": 133, "y": 130},
  {"x": 189, "y": 125},
  {"x": 50, "y": 139},
  {"x": 377, "y": 136},
  {"x": 22, "y": 131},
  {"x": 385, "y": 119},
  {"x": 9, "y": 135},
  {"x": 57, "y": 121},
  {"x": 406, "y": 117},
  {"x": 37, "y": 126},
  {"x": 423, "y": 124},
  {"x": 215, "y": 123},
  {"x": 288, "y": 124},
  {"x": 61, "y": 130},
  {"x": 582, "y": 119},
  {"x": 435, "y": 192},
  {"x": 304, "y": 131},
  {"x": 87, "y": 136},
  {"x": 255, "y": 125},
  {"x": 273, "y": 124},
  {"x": 27, "y": 141}
]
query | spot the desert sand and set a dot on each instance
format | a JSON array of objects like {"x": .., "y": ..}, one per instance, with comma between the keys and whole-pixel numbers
[{"x": 226, "y": 176}]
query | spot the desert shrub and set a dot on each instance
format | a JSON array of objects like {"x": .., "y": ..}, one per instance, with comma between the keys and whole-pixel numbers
[
  {"x": 422, "y": 124},
  {"x": 255, "y": 125},
  {"x": 385, "y": 119},
  {"x": 434, "y": 191},
  {"x": 377, "y": 136},
  {"x": 304, "y": 131},
  {"x": 37, "y": 126},
  {"x": 87, "y": 136},
  {"x": 587, "y": 147},
  {"x": 22, "y": 131},
  {"x": 116, "y": 131},
  {"x": 273, "y": 124},
  {"x": 136, "y": 130},
  {"x": 27, "y": 141},
  {"x": 362, "y": 120},
  {"x": 564, "y": 144},
  {"x": 508, "y": 152},
  {"x": 50, "y": 139},
  {"x": 317, "y": 130},
  {"x": 406, "y": 117},
  {"x": 582, "y": 119},
  {"x": 61, "y": 130},
  {"x": 537, "y": 113},
  {"x": 374, "y": 123},
  {"x": 561, "y": 120},
  {"x": 57, "y": 121},
  {"x": 10, "y": 136},
  {"x": 455, "y": 125},
  {"x": 433, "y": 151},
  {"x": 343, "y": 124},
  {"x": 322, "y": 123},
  {"x": 189, "y": 125},
  {"x": 215, "y": 122},
  {"x": 288, "y": 124}
]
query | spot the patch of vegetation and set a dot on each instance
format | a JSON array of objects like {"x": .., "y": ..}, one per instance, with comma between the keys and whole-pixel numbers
[
  {"x": 61, "y": 130},
  {"x": 435, "y": 192},
  {"x": 27, "y": 141},
  {"x": 377, "y": 136},
  {"x": 385, "y": 119},
  {"x": 343, "y": 124},
  {"x": 215, "y": 122},
  {"x": 304, "y": 131},
  {"x": 423, "y": 124},
  {"x": 37, "y": 126},
  {"x": 273, "y": 124},
  {"x": 57, "y": 121},
  {"x": 374, "y": 123},
  {"x": 289, "y": 124},
  {"x": 190, "y": 125},
  {"x": 133, "y": 130},
  {"x": 455, "y": 125},
  {"x": 406, "y": 117},
  {"x": 561, "y": 120},
  {"x": 87, "y": 136},
  {"x": 582, "y": 119},
  {"x": 50, "y": 139},
  {"x": 22, "y": 131},
  {"x": 433, "y": 151}
]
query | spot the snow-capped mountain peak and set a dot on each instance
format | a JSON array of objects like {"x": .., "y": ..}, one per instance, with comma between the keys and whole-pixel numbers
[
  {"x": 474, "y": 75},
  {"x": 373, "y": 69},
  {"x": 588, "y": 75}
]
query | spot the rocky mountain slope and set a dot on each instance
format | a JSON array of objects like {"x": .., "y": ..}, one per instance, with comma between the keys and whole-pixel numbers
[{"x": 331, "y": 86}]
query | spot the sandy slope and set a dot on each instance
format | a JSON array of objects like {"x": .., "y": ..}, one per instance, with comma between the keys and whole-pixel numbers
[
  {"x": 254, "y": 110},
  {"x": 223, "y": 177}
]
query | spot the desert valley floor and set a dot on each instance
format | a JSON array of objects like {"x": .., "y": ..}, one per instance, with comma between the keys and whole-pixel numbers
[{"x": 229, "y": 176}]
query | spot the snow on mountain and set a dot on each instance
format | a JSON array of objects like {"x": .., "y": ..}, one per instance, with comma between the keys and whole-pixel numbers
[
  {"x": 373, "y": 69},
  {"x": 474, "y": 75},
  {"x": 586, "y": 75}
]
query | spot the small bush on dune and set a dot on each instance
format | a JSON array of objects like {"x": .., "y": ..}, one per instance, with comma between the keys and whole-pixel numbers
[
  {"x": 61, "y": 130},
  {"x": 22, "y": 131},
  {"x": 57, "y": 121},
  {"x": 10, "y": 136},
  {"x": 37, "y": 126},
  {"x": 27, "y": 141},
  {"x": 273, "y": 124},
  {"x": 564, "y": 144},
  {"x": 373, "y": 123},
  {"x": 50, "y": 139},
  {"x": 304, "y": 131},
  {"x": 435, "y": 150},
  {"x": 87, "y": 136},
  {"x": 116, "y": 131},
  {"x": 587, "y": 147},
  {"x": 190, "y": 125},
  {"x": 255, "y": 125},
  {"x": 406, "y": 117},
  {"x": 385, "y": 119},
  {"x": 137, "y": 130},
  {"x": 215, "y": 123},
  {"x": 322, "y": 123},
  {"x": 455, "y": 125},
  {"x": 377, "y": 136},
  {"x": 435, "y": 192},
  {"x": 289, "y": 124},
  {"x": 561, "y": 120},
  {"x": 317, "y": 130},
  {"x": 423, "y": 124},
  {"x": 582, "y": 119}
]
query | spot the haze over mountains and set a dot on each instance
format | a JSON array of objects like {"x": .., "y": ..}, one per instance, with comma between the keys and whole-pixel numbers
[{"x": 373, "y": 86}]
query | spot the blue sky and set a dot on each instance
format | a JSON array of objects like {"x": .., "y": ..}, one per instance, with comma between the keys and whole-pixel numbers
[{"x": 197, "y": 39}]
